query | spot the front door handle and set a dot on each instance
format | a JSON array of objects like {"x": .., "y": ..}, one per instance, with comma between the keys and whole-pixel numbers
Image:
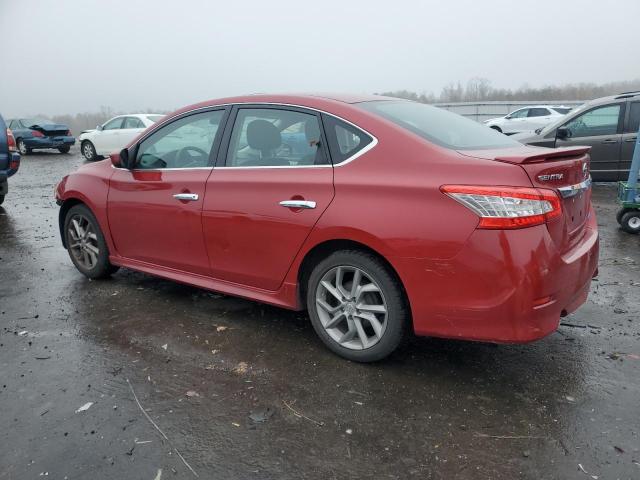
[
  {"x": 298, "y": 204},
  {"x": 610, "y": 141},
  {"x": 632, "y": 139},
  {"x": 192, "y": 197}
]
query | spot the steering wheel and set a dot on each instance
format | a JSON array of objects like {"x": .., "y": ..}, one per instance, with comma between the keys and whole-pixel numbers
[{"x": 192, "y": 160}]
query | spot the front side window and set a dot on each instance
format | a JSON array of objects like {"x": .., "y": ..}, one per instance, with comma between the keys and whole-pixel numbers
[
  {"x": 270, "y": 137},
  {"x": 439, "y": 126},
  {"x": 184, "y": 143},
  {"x": 538, "y": 112},
  {"x": 519, "y": 113},
  {"x": 596, "y": 122},
  {"x": 633, "y": 125},
  {"x": 132, "y": 122},
  {"x": 114, "y": 124}
]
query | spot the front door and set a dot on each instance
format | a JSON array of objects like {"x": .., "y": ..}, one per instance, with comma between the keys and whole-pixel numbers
[
  {"x": 600, "y": 128},
  {"x": 272, "y": 183},
  {"x": 106, "y": 140},
  {"x": 155, "y": 208}
]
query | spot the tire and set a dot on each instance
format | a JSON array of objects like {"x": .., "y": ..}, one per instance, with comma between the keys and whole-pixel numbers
[
  {"x": 91, "y": 263},
  {"x": 64, "y": 149},
  {"x": 630, "y": 221},
  {"x": 22, "y": 147},
  {"x": 1, "y": 199},
  {"x": 620, "y": 213},
  {"x": 343, "y": 336},
  {"x": 88, "y": 151}
]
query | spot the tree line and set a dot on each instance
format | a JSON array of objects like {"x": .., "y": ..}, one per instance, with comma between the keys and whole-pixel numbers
[{"x": 480, "y": 89}]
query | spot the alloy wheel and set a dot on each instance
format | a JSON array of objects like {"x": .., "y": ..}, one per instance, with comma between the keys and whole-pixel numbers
[
  {"x": 83, "y": 241},
  {"x": 22, "y": 148},
  {"x": 87, "y": 151},
  {"x": 351, "y": 307}
]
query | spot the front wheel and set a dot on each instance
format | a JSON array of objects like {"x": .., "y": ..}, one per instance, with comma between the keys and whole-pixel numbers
[
  {"x": 630, "y": 221},
  {"x": 22, "y": 147},
  {"x": 65, "y": 149},
  {"x": 88, "y": 151},
  {"x": 357, "y": 306},
  {"x": 1, "y": 199},
  {"x": 85, "y": 243}
]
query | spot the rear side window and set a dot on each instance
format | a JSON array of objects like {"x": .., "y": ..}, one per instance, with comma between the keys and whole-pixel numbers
[
  {"x": 439, "y": 126},
  {"x": 633, "y": 125},
  {"x": 132, "y": 122},
  {"x": 561, "y": 111},
  {"x": 344, "y": 139},
  {"x": 538, "y": 112}
]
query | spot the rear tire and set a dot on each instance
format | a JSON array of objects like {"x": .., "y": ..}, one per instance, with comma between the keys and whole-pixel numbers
[
  {"x": 630, "y": 222},
  {"x": 1, "y": 199},
  {"x": 620, "y": 213},
  {"x": 22, "y": 147},
  {"x": 346, "y": 325},
  {"x": 88, "y": 151},
  {"x": 64, "y": 149},
  {"x": 85, "y": 243}
]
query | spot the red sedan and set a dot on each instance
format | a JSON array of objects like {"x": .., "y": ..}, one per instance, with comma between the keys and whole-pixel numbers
[{"x": 377, "y": 215}]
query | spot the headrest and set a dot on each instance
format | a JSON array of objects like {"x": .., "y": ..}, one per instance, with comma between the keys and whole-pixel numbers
[
  {"x": 312, "y": 131},
  {"x": 263, "y": 135}
]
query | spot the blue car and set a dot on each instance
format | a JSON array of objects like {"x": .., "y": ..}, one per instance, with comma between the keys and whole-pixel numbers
[
  {"x": 39, "y": 133},
  {"x": 9, "y": 158}
]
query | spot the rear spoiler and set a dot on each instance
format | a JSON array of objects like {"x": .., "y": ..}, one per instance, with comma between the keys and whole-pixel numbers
[{"x": 546, "y": 154}]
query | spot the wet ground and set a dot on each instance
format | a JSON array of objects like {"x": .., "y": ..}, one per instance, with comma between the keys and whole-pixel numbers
[{"x": 241, "y": 390}]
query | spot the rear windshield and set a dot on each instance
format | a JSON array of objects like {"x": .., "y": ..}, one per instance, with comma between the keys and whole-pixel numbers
[
  {"x": 28, "y": 122},
  {"x": 563, "y": 111},
  {"x": 154, "y": 118},
  {"x": 439, "y": 126}
]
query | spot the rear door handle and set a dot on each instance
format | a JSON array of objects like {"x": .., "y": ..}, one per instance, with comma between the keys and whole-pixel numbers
[
  {"x": 610, "y": 141},
  {"x": 632, "y": 139},
  {"x": 298, "y": 204},
  {"x": 192, "y": 197}
]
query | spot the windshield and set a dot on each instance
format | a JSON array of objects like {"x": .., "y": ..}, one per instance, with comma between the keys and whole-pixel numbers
[
  {"x": 28, "y": 122},
  {"x": 439, "y": 126},
  {"x": 154, "y": 118}
]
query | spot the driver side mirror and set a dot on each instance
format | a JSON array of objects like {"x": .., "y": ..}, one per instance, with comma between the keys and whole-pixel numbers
[
  {"x": 99, "y": 128},
  {"x": 508, "y": 117},
  {"x": 563, "y": 133},
  {"x": 121, "y": 159}
]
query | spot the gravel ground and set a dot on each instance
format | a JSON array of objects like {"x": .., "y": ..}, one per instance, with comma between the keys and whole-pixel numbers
[{"x": 241, "y": 390}]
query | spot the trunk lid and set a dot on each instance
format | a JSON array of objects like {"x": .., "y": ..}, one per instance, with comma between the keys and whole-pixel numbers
[
  {"x": 51, "y": 129},
  {"x": 565, "y": 170}
]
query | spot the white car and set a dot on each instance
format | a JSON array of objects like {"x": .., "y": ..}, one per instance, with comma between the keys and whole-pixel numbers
[
  {"x": 115, "y": 134},
  {"x": 528, "y": 119}
]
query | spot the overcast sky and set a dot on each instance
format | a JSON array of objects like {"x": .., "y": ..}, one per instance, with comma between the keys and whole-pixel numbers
[{"x": 78, "y": 55}]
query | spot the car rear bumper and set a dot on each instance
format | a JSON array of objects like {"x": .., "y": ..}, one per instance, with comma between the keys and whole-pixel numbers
[
  {"x": 49, "y": 142},
  {"x": 508, "y": 286}
]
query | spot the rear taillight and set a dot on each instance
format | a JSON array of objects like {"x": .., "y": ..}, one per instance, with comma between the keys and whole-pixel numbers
[
  {"x": 507, "y": 207},
  {"x": 36, "y": 133},
  {"x": 11, "y": 141}
]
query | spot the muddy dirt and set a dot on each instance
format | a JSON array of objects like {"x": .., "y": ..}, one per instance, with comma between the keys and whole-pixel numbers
[{"x": 242, "y": 390}]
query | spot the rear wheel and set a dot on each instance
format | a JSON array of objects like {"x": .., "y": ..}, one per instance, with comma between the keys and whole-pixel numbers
[
  {"x": 630, "y": 221},
  {"x": 357, "y": 306},
  {"x": 64, "y": 149},
  {"x": 22, "y": 147},
  {"x": 85, "y": 243},
  {"x": 620, "y": 213},
  {"x": 88, "y": 151}
]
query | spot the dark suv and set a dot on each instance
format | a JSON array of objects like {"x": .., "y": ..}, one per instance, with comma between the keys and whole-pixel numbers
[
  {"x": 9, "y": 158},
  {"x": 609, "y": 125}
]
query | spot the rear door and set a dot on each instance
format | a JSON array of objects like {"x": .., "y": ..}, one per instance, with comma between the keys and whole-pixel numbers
[
  {"x": 537, "y": 117},
  {"x": 264, "y": 196},
  {"x": 629, "y": 136},
  {"x": 155, "y": 209},
  {"x": 601, "y": 128}
]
